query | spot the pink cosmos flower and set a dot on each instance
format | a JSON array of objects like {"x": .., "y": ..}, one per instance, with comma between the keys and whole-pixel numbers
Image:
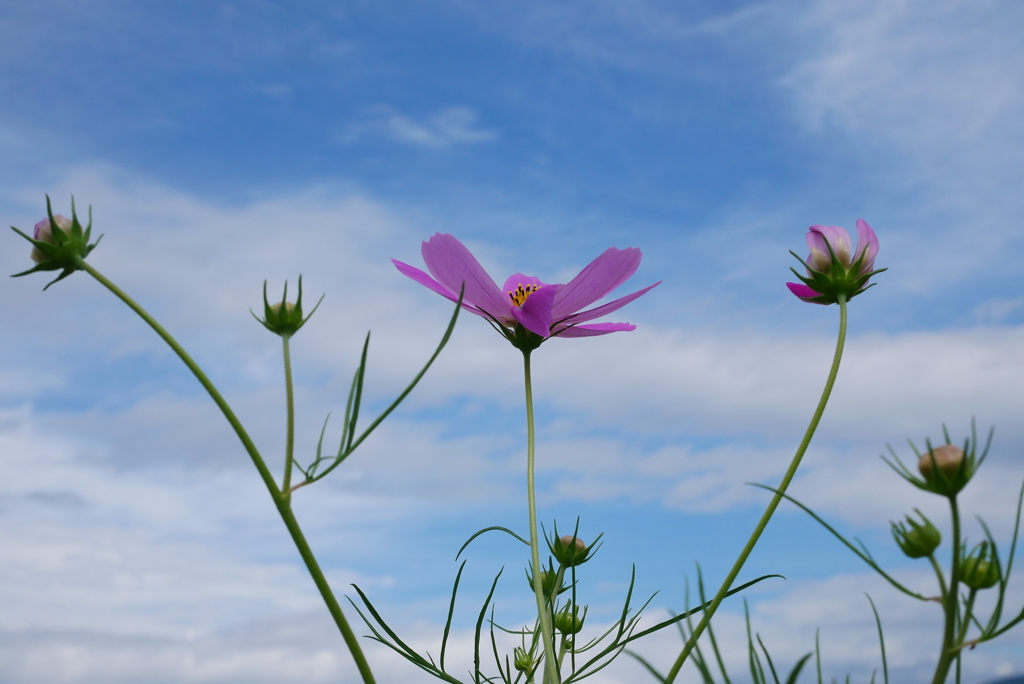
[
  {"x": 547, "y": 310},
  {"x": 834, "y": 267}
]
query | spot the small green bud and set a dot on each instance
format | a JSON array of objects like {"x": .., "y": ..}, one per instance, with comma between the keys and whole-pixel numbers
[
  {"x": 59, "y": 244},
  {"x": 568, "y": 620},
  {"x": 919, "y": 540},
  {"x": 284, "y": 318},
  {"x": 979, "y": 570},
  {"x": 547, "y": 580},
  {"x": 522, "y": 660}
]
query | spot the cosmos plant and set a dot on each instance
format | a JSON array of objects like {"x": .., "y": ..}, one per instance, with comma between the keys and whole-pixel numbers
[{"x": 558, "y": 646}]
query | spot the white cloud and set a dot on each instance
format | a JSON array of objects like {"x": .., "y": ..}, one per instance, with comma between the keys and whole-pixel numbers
[
  {"x": 105, "y": 535},
  {"x": 446, "y": 127}
]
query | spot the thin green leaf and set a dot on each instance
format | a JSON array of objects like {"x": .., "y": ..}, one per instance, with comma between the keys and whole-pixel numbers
[
  {"x": 479, "y": 625},
  {"x": 881, "y": 640},
  {"x": 797, "y": 668},
  {"x": 489, "y": 529},
  {"x": 771, "y": 665},
  {"x": 860, "y": 554},
  {"x": 683, "y": 616},
  {"x": 419, "y": 376},
  {"x": 451, "y": 612},
  {"x": 650, "y": 668}
]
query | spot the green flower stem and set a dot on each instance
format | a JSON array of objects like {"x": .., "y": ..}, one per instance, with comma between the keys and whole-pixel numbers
[
  {"x": 546, "y": 626},
  {"x": 965, "y": 622},
  {"x": 289, "y": 447},
  {"x": 950, "y": 602},
  {"x": 280, "y": 501},
  {"x": 940, "y": 576},
  {"x": 779, "y": 493}
]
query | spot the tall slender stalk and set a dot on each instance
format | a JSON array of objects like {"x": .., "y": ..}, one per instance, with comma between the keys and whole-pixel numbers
[
  {"x": 950, "y": 601},
  {"x": 543, "y": 614},
  {"x": 776, "y": 499},
  {"x": 280, "y": 500},
  {"x": 289, "y": 446}
]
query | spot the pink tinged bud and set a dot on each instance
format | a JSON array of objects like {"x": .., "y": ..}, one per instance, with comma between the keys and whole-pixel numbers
[
  {"x": 573, "y": 543},
  {"x": 838, "y": 239},
  {"x": 947, "y": 458},
  {"x": 43, "y": 233}
]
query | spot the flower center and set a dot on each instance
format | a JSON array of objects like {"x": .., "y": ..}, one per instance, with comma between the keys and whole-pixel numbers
[{"x": 519, "y": 295}]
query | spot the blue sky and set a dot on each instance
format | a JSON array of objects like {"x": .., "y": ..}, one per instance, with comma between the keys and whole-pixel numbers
[{"x": 221, "y": 144}]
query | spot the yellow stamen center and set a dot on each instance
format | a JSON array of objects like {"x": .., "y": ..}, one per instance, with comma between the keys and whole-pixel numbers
[{"x": 519, "y": 295}]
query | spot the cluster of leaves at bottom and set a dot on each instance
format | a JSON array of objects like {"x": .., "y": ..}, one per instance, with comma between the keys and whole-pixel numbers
[
  {"x": 584, "y": 658},
  {"x": 758, "y": 673}
]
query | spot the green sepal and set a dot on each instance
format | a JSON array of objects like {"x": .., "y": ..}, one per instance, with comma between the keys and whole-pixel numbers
[
  {"x": 920, "y": 539},
  {"x": 66, "y": 249}
]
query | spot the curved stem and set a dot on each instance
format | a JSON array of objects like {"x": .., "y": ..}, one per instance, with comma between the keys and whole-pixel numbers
[
  {"x": 950, "y": 602},
  {"x": 546, "y": 627},
  {"x": 776, "y": 499},
  {"x": 280, "y": 501},
  {"x": 243, "y": 436},
  {"x": 289, "y": 446}
]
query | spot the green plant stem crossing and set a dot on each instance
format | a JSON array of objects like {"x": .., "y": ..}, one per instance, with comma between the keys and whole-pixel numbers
[
  {"x": 776, "y": 499},
  {"x": 546, "y": 626},
  {"x": 280, "y": 500}
]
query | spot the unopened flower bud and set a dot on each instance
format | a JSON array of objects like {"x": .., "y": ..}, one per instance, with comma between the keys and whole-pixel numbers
[
  {"x": 522, "y": 660},
  {"x": 834, "y": 268},
  {"x": 284, "y": 318},
  {"x": 289, "y": 307},
  {"x": 568, "y": 621},
  {"x": 948, "y": 458},
  {"x": 547, "y": 582},
  {"x": 43, "y": 232},
  {"x": 919, "y": 540},
  {"x": 569, "y": 550},
  {"x": 980, "y": 570},
  {"x": 59, "y": 243}
]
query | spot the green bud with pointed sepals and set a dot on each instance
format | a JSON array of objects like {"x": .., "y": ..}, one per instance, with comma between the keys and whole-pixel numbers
[
  {"x": 568, "y": 620},
  {"x": 284, "y": 318},
  {"x": 980, "y": 569},
  {"x": 58, "y": 244},
  {"x": 917, "y": 540},
  {"x": 548, "y": 578},
  {"x": 522, "y": 660}
]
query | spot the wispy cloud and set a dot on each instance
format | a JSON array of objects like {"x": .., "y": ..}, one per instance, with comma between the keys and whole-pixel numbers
[{"x": 444, "y": 128}]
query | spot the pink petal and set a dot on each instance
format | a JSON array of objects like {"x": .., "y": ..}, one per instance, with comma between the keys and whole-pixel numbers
[
  {"x": 425, "y": 280},
  {"x": 535, "y": 313},
  {"x": 604, "y": 309},
  {"x": 866, "y": 240},
  {"x": 803, "y": 292},
  {"x": 514, "y": 281},
  {"x": 594, "y": 329},
  {"x": 601, "y": 276},
  {"x": 452, "y": 264},
  {"x": 820, "y": 258}
]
